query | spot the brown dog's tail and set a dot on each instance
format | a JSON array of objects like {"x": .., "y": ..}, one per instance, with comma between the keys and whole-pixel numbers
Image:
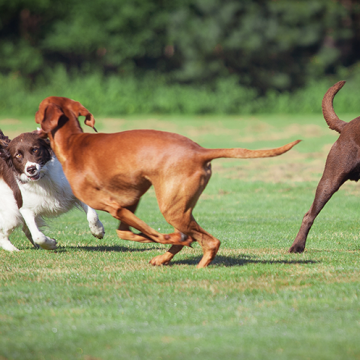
[
  {"x": 239, "y": 153},
  {"x": 328, "y": 109}
]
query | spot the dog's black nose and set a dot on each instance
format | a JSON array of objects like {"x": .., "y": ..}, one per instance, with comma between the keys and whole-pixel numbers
[{"x": 31, "y": 169}]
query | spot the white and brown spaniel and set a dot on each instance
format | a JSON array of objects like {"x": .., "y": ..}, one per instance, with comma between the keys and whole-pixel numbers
[{"x": 33, "y": 186}]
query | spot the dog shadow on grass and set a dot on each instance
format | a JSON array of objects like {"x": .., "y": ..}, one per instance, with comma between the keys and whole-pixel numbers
[
  {"x": 220, "y": 260},
  {"x": 229, "y": 261},
  {"x": 101, "y": 248}
]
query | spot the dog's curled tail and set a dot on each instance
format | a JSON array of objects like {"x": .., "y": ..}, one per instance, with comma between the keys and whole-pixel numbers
[
  {"x": 328, "y": 109},
  {"x": 239, "y": 153}
]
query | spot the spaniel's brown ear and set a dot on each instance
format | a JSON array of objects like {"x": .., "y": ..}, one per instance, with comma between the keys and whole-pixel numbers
[{"x": 48, "y": 117}]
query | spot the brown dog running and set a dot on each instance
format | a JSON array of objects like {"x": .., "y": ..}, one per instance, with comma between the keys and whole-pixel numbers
[
  {"x": 342, "y": 164},
  {"x": 111, "y": 172}
]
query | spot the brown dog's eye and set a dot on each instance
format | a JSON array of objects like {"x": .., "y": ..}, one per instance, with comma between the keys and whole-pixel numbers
[
  {"x": 35, "y": 150},
  {"x": 19, "y": 156}
]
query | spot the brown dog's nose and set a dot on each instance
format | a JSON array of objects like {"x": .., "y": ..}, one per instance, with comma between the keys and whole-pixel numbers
[{"x": 31, "y": 169}]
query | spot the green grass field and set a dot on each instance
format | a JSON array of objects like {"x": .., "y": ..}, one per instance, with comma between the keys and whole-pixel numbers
[{"x": 100, "y": 299}]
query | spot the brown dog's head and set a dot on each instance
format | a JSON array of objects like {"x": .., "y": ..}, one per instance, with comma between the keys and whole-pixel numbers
[
  {"x": 55, "y": 111},
  {"x": 28, "y": 155}
]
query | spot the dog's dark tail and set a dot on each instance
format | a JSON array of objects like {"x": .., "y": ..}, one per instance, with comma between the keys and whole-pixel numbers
[
  {"x": 328, "y": 109},
  {"x": 239, "y": 153}
]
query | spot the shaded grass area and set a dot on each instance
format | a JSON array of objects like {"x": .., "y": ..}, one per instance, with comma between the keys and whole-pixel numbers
[{"x": 100, "y": 299}]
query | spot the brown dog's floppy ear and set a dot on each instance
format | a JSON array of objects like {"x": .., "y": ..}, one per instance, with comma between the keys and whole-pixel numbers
[
  {"x": 90, "y": 121},
  {"x": 49, "y": 117}
]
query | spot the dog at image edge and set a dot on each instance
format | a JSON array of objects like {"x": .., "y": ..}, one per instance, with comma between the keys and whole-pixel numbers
[
  {"x": 111, "y": 172},
  {"x": 342, "y": 164},
  {"x": 37, "y": 188}
]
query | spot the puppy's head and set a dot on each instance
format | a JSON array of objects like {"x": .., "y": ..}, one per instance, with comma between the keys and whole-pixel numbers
[{"x": 28, "y": 154}]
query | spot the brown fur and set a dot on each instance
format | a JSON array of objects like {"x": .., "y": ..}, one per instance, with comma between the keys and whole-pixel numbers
[
  {"x": 111, "y": 172},
  {"x": 342, "y": 164},
  {"x": 6, "y": 170}
]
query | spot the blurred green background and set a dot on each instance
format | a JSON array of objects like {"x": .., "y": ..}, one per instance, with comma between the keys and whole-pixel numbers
[{"x": 187, "y": 57}]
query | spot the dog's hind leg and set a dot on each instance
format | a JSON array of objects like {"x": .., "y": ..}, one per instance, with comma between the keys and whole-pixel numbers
[
  {"x": 335, "y": 174},
  {"x": 164, "y": 259},
  {"x": 176, "y": 203},
  {"x": 210, "y": 245},
  {"x": 186, "y": 224}
]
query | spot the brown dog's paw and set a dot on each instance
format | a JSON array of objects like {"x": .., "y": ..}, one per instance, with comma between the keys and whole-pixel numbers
[
  {"x": 297, "y": 249},
  {"x": 160, "y": 260}
]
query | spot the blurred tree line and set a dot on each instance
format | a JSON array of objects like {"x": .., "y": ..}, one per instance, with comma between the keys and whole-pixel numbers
[{"x": 263, "y": 44}]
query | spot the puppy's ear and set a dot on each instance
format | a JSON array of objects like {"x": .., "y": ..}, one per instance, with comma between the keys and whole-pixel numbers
[{"x": 49, "y": 117}]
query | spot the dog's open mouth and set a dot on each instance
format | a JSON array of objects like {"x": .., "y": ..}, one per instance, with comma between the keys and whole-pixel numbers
[{"x": 34, "y": 177}]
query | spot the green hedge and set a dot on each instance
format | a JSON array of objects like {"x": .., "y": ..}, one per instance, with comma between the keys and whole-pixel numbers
[{"x": 113, "y": 96}]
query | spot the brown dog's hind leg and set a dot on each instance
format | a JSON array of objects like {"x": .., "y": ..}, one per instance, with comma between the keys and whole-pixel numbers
[
  {"x": 176, "y": 203},
  {"x": 210, "y": 245},
  {"x": 335, "y": 174},
  {"x": 188, "y": 225}
]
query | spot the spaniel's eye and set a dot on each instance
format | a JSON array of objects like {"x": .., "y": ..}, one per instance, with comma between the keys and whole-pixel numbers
[
  {"x": 19, "y": 156},
  {"x": 35, "y": 150}
]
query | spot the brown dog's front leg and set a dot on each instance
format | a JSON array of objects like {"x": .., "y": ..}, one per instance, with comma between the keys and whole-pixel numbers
[
  {"x": 165, "y": 259},
  {"x": 131, "y": 236},
  {"x": 125, "y": 233},
  {"x": 132, "y": 220}
]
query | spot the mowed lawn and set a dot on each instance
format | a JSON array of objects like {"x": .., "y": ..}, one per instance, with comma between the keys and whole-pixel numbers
[{"x": 100, "y": 299}]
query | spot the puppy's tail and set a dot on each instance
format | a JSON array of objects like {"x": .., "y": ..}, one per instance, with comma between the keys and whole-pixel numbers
[
  {"x": 328, "y": 109},
  {"x": 239, "y": 153}
]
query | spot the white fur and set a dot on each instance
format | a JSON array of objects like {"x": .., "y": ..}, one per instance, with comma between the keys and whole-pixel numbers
[
  {"x": 50, "y": 196},
  {"x": 26, "y": 174},
  {"x": 10, "y": 216}
]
